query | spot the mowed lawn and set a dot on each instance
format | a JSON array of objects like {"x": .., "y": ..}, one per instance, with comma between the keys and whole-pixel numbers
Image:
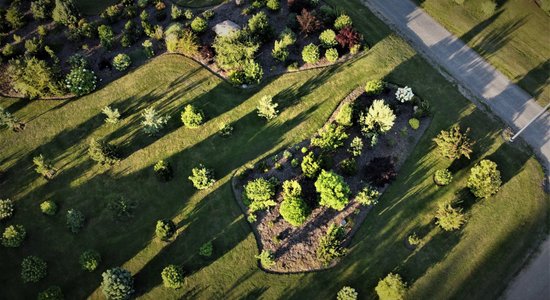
[
  {"x": 514, "y": 39},
  {"x": 474, "y": 263}
]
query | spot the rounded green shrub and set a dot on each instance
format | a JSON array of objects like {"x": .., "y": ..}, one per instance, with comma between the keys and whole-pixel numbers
[
  {"x": 122, "y": 61},
  {"x": 191, "y": 117},
  {"x": 368, "y": 196},
  {"x": 117, "y": 284},
  {"x": 81, "y": 81},
  {"x": 172, "y": 277},
  {"x": 328, "y": 38},
  {"x": 375, "y": 87},
  {"x": 347, "y": 293},
  {"x": 206, "y": 249},
  {"x": 165, "y": 229},
  {"x": 294, "y": 210},
  {"x": 484, "y": 179},
  {"x": 13, "y": 236},
  {"x": 33, "y": 269},
  {"x": 48, "y": 207},
  {"x": 273, "y": 5},
  {"x": 443, "y": 177},
  {"x": 89, "y": 260},
  {"x": 202, "y": 177},
  {"x": 391, "y": 287},
  {"x": 343, "y": 21},
  {"x": 449, "y": 218},
  {"x": 310, "y": 54},
  {"x": 332, "y": 55},
  {"x": 199, "y": 25},
  {"x": 6, "y": 209},
  {"x": 333, "y": 189},
  {"x": 414, "y": 123},
  {"x": 75, "y": 220}
]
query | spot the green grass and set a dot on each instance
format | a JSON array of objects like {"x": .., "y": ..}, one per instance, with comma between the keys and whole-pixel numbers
[
  {"x": 475, "y": 262},
  {"x": 513, "y": 39}
]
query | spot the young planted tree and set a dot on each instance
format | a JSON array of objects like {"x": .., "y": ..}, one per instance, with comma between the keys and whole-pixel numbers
[
  {"x": 117, "y": 284},
  {"x": 13, "y": 236},
  {"x": 334, "y": 190},
  {"x": 102, "y": 152},
  {"x": 112, "y": 115},
  {"x": 33, "y": 77},
  {"x": 75, "y": 220},
  {"x": 65, "y": 12},
  {"x": 267, "y": 260},
  {"x": 10, "y": 121},
  {"x": 258, "y": 194},
  {"x": 308, "y": 22},
  {"x": 152, "y": 123},
  {"x": 454, "y": 144},
  {"x": 391, "y": 287},
  {"x": 89, "y": 260},
  {"x": 310, "y": 165},
  {"x": 356, "y": 146},
  {"x": 267, "y": 108},
  {"x": 330, "y": 245},
  {"x": 106, "y": 36},
  {"x": 449, "y": 218},
  {"x": 165, "y": 229},
  {"x": 378, "y": 119},
  {"x": 330, "y": 137},
  {"x": 33, "y": 268},
  {"x": 43, "y": 167},
  {"x": 51, "y": 293},
  {"x": 192, "y": 117},
  {"x": 202, "y": 177},
  {"x": 310, "y": 54},
  {"x": 173, "y": 277},
  {"x": 347, "y": 293},
  {"x": 484, "y": 180},
  {"x": 293, "y": 208}
]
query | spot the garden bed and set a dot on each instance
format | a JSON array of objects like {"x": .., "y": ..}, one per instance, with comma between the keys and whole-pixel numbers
[{"x": 294, "y": 248}]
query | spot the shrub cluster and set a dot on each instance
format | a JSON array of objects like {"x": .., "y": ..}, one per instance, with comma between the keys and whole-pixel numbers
[{"x": 330, "y": 137}]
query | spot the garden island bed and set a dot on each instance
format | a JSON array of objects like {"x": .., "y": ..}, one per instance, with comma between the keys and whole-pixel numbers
[
  {"x": 241, "y": 41},
  {"x": 355, "y": 175}
]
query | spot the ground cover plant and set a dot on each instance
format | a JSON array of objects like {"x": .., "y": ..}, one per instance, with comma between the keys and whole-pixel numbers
[{"x": 489, "y": 245}]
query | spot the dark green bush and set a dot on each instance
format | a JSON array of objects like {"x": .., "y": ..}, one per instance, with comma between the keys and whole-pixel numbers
[
  {"x": 51, "y": 293},
  {"x": 89, "y": 260},
  {"x": 173, "y": 277},
  {"x": 75, "y": 220},
  {"x": 13, "y": 236},
  {"x": 165, "y": 229},
  {"x": 117, "y": 284},
  {"x": 33, "y": 269}
]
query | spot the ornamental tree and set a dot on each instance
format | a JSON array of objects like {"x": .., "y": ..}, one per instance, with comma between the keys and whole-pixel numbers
[
  {"x": 330, "y": 137},
  {"x": 165, "y": 229},
  {"x": 13, "y": 236},
  {"x": 267, "y": 108},
  {"x": 65, "y": 12},
  {"x": 43, "y": 167},
  {"x": 330, "y": 245},
  {"x": 391, "y": 287},
  {"x": 334, "y": 190},
  {"x": 173, "y": 276},
  {"x": 347, "y": 293},
  {"x": 378, "y": 119},
  {"x": 310, "y": 165},
  {"x": 75, "y": 220},
  {"x": 89, "y": 260},
  {"x": 192, "y": 117},
  {"x": 117, "y": 284},
  {"x": 484, "y": 179},
  {"x": 202, "y": 177},
  {"x": 310, "y": 54},
  {"x": 449, "y": 218},
  {"x": 294, "y": 210},
  {"x": 51, "y": 293},
  {"x": 153, "y": 123},
  {"x": 102, "y": 152},
  {"x": 454, "y": 144},
  {"x": 259, "y": 194},
  {"x": 6, "y": 209}
]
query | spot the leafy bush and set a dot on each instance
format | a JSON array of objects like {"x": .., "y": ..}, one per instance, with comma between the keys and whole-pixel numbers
[
  {"x": 117, "y": 284},
  {"x": 252, "y": 72},
  {"x": 348, "y": 37},
  {"x": 330, "y": 245},
  {"x": 6, "y": 209},
  {"x": 13, "y": 236},
  {"x": 48, "y": 207},
  {"x": 356, "y": 146},
  {"x": 332, "y": 55},
  {"x": 102, "y": 152},
  {"x": 280, "y": 49},
  {"x": 8, "y": 50},
  {"x": 75, "y": 220},
  {"x": 334, "y": 190},
  {"x": 199, "y": 25},
  {"x": 258, "y": 26},
  {"x": 165, "y": 229},
  {"x": 259, "y": 192},
  {"x": 122, "y": 61},
  {"x": 368, "y": 195},
  {"x": 273, "y": 5},
  {"x": 294, "y": 210},
  {"x": 330, "y": 137},
  {"x": 89, "y": 260},
  {"x": 343, "y": 21},
  {"x": 308, "y": 22},
  {"x": 413, "y": 240},
  {"x": 414, "y": 123},
  {"x": 10, "y": 121},
  {"x": 484, "y": 179},
  {"x": 391, "y": 287},
  {"x": 291, "y": 189},
  {"x": 191, "y": 117},
  {"x": 113, "y": 116},
  {"x": 328, "y": 38},
  {"x": 347, "y": 293},
  {"x": 33, "y": 268},
  {"x": 454, "y": 144},
  {"x": 188, "y": 14},
  {"x": 33, "y": 77},
  {"x": 14, "y": 16},
  {"x": 310, "y": 54},
  {"x": 442, "y": 177},
  {"x": 225, "y": 129},
  {"x": 176, "y": 12},
  {"x": 182, "y": 41},
  {"x": 112, "y": 13},
  {"x": 172, "y": 277},
  {"x": 378, "y": 119},
  {"x": 375, "y": 87},
  {"x": 81, "y": 81},
  {"x": 348, "y": 166},
  {"x": 381, "y": 170},
  {"x": 148, "y": 48},
  {"x": 449, "y": 218},
  {"x": 153, "y": 123},
  {"x": 202, "y": 177},
  {"x": 106, "y": 36},
  {"x": 267, "y": 108},
  {"x": 163, "y": 170},
  {"x": 404, "y": 94},
  {"x": 266, "y": 259},
  {"x": 43, "y": 167},
  {"x": 310, "y": 165},
  {"x": 33, "y": 45},
  {"x": 344, "y": 116},
  {"x": 233, "y": 50},
  {"x": 206, "y": 249},
  {"x": 51, "y": 293},
  {"x": 41, "y": 9},
  {"x": 121, "y": 208}
]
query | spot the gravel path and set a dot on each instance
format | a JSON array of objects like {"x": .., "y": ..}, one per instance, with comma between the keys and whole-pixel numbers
[{"x": 487, "y": 88}]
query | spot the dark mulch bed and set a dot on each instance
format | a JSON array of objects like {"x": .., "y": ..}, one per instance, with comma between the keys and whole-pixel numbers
[{"x": 294, "y": 248}]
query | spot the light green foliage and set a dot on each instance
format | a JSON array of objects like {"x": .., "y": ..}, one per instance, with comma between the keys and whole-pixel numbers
[
  {"x": 267, "y": 108},
  {"x": 52, "y": 293},
  {"x": 414, "y": 240},
  {"x": 454, "y": 144},
  {"x": 330, "y": 137},
  {"x": 345, "y": 115},
  {"x": 165, "y": 229},
  {"x": 10, "y": 121},
  {"x": 33, "y": 45},
  {"x": 234, "y": 50},
  {"x": 13, "y": 236},
  {"x": 81, "y": 81},
  {"x": 291, "y": 188},
  {"x": 347, "y": 293},
  {"x": 328, "y": 38},
  {"x": 188, "y": 14},
  {"x": 41, "y": 9},
  {"x": 112, "y": 115},
  {"x": 33, "y": 268},
  {"x": 176, "y": 12},
  {"x": 43, "y": 167},
  {"x": 332, "y": 55},
  {"x": 191, "y": 117},
  {"x": 163, "y": 170},
  {"x": 368, "y": 196},
  {"x": 102, "y": 152},
  {"x": 310, "y": 54},
  {"x": 152, "y": 123},
  {"x": 443, "y": 177},
  {"x": 356, "y": 146},
  {"x": 48, "y": 207},
  {"x": 199, "y": 25},
  {"x": 33, "y": 78},
  {"x": 310, "y": 165},
  {"x": 294, "y": 210},
  {"x": 89, "y": 260},
  {"x": 117, "y": 284},
  {"x": 172, "y": 277},
  {"x": 122, "y": 61},
  {"x": 391, "y": 287},
  {"x": 75, "y": 220},
  {"x": 414, "y": 123},
  {"x": 6, "y": 209},
  {"x": 266, "y": 258},
  {"x": 258, "y": 26},
  {"x": 449, "y": 218},
  {"x": 280, "y": 49},
  {"x": 378, "y": 119},
  {"x": 202, "y": 177},
  {"x": 342, "y": 21},
  {"x": 148, "y": 48},
  {"x": 484, "y": 180},
  {"x": 334, "y": 190},
  {"x": 14, "y": 15},
  {"x": 260, "y": 193},
  {"x": 330, "y": 245},
  {"x": 206, "y": 249},
  {"x": 225, "y": 129},
  {"x": 273, "y": 5},
  {"x": 252, "y": 72},
  {"x": 375, "y": 87},
  {"x": 106, "y": 36}
]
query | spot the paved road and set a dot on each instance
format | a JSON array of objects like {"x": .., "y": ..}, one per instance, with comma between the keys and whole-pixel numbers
[{"x": 484, "y": 85}]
